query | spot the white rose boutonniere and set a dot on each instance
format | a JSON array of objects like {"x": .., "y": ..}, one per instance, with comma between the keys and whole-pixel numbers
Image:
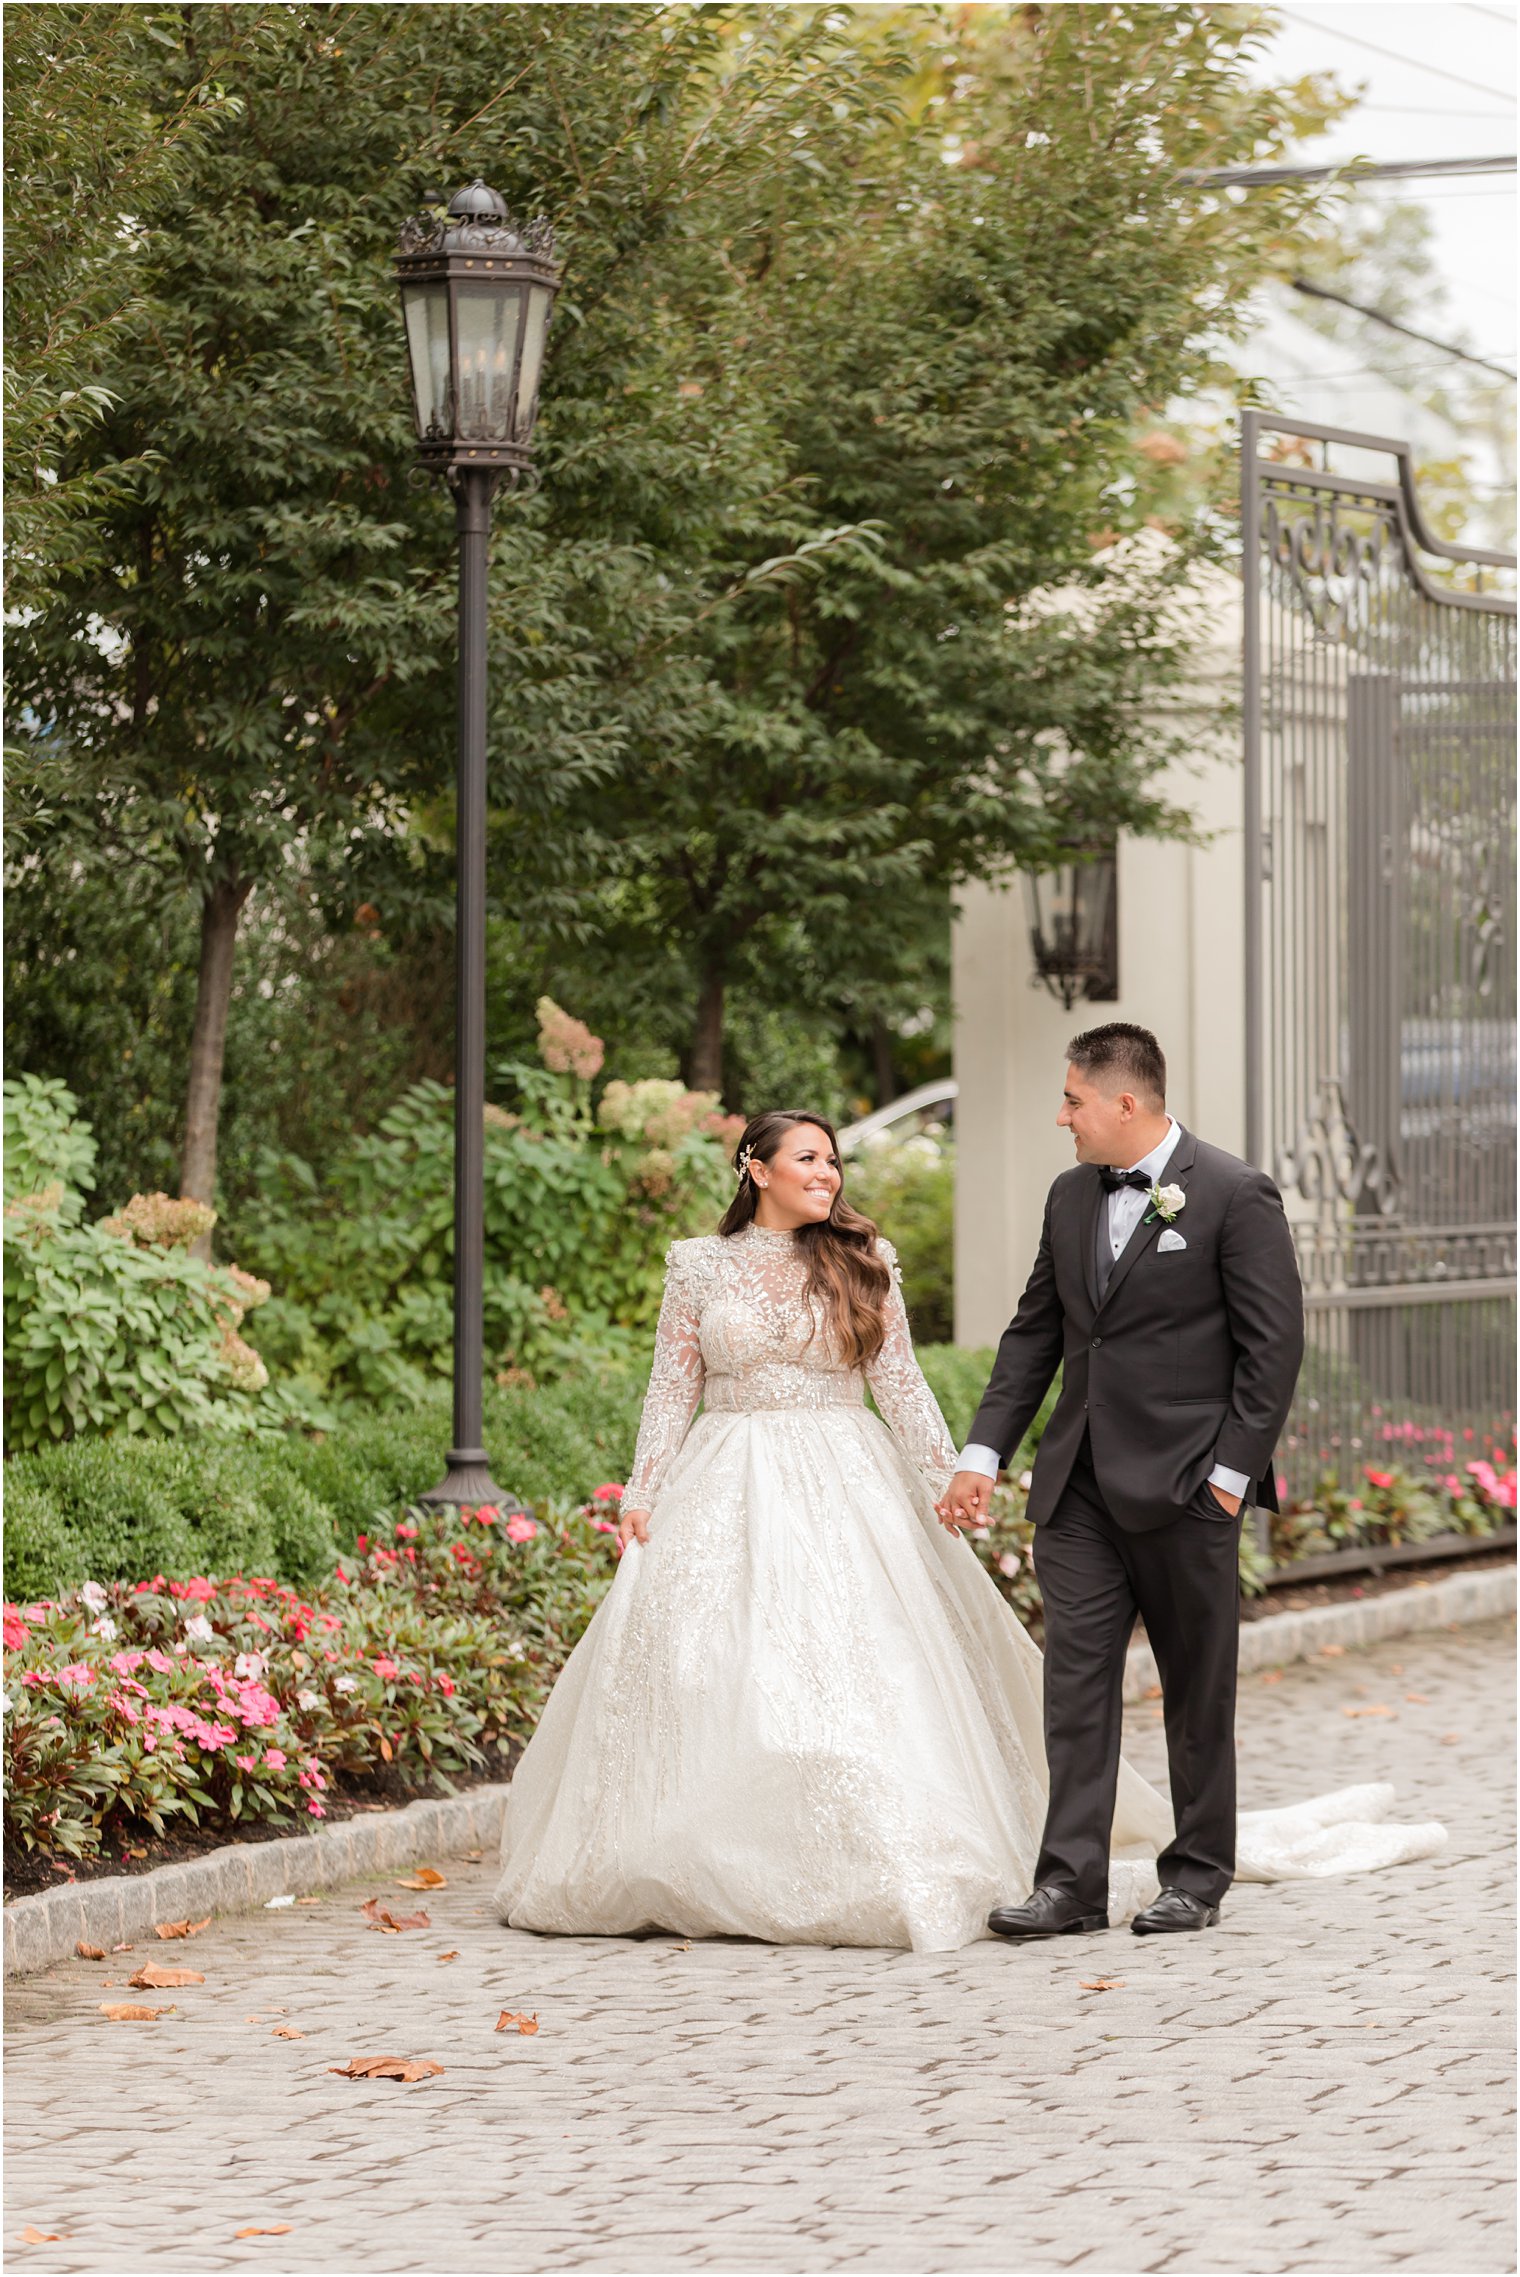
[{"x": 1166, "y": 1202}]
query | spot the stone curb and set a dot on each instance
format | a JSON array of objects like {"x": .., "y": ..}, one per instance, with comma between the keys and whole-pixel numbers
[
  {"x": 1286, "y": 1637},
  {"x": 44, "y": 1929}
]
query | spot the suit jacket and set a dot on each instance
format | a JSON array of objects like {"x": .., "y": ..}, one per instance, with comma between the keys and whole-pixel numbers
[{"x": 1190, "y": 1359}]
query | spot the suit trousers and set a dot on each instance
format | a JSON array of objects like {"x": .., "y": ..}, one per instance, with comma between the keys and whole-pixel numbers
[{"x": 1183, "y": 1581}]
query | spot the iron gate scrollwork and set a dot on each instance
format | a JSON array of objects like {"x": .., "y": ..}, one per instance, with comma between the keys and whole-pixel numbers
[{"x": 1380, "y": 971}]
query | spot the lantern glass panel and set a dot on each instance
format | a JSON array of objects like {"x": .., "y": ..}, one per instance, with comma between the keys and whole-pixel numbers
[
  {"x": 540, "y": 300},
  {"x": 426, "y": 309},
  {"x": 489, "y": 316}
]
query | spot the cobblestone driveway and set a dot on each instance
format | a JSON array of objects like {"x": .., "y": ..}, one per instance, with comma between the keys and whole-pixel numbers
[{"x": 1322, "y": 2083}]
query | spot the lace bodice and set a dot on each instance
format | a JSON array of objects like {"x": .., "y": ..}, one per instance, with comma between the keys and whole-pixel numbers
[{"x": 738, "y": 1333}]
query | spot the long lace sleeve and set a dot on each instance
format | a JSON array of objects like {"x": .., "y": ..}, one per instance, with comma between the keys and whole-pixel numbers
[
  {"x": 906, "y": 1402},
  {"x": 675, "y": 1383}
]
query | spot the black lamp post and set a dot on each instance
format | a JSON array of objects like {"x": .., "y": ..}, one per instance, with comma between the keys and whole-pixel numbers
[
  {"x": 476, "y": 294},
  {"x": 1073, "y": 925}
]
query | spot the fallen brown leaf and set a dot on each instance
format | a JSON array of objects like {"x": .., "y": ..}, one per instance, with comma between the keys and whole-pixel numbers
[
  {"x": 151, "y": 1978},
  {"x": 1273, "y": 1676},
  {"x": 1450, "y": 1738},
  {"x": 308, "y": 1901},
  {"x": 267, "y": 2229},
  {"x": 380, "y": 1917},
  {"x": 123, "y": 1948},
  {"x": 448, "y": 1956},
  {"x": 1418, "y": 1699},
  {"x": 474, "y": 1856},
  {"x": 1103, "y": 1984},
  {"x": 129, "y": 1853},
  {"x": 90, "y": 1952},
  {"x": 525, "y": 2024},
  {"x": 425, "y": 1878},
  {"x": 31, "y": 2235},
  {"x": 385, "y": 1747},
  {"x": 168, "y": 1929},
  {"x": 1331, "y": 1651},
  {"x": 287, "y": 2032},
  {"x": 387, "y": 2067},
  {"x": 123, "y": 2012},
  {"x": 1373, "y": 1708},
  {"x": 1151, "y": 1692}
]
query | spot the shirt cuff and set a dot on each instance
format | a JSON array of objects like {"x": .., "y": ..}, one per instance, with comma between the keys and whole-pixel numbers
[
  {"x": 987, "y": 1460},
  {"x": 1233, "y": 1482}
]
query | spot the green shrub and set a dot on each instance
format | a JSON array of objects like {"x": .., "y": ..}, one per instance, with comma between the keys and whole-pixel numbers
[
  {"x": 554, "y": 1441},
  {"x": 110, "y": 1509},
  {"x": 103, "y": 1509},
  {"x": 957, "y": 1376},
  {"x": 580, "y": 1207},
  {"x": 112, "y": 1326},
  {"x": 908, "y": 1187}
]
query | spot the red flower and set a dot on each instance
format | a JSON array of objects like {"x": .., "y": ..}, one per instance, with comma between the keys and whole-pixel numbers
[{"x": 1382, "y": 1479}]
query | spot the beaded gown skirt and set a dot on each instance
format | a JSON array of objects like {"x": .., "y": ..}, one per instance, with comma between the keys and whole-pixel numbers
[{"x": 804, "y": 1712}]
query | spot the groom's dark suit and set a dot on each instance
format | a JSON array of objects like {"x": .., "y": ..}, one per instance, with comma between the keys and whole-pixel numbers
[{"x": 1186, "y": 1357}]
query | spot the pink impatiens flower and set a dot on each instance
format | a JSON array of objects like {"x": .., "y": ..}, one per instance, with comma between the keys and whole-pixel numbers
[
  {"x": 385, "y": 1668},
  {"x": 1382, "y": 1479},
  {"x": 275, "y": 1758},
  {"x": 245, "y": 1762},
  {"x": 77, "y": 1677},
  {"x": 520, "y": 1529},
  {"x": 608, "y": 1493}
]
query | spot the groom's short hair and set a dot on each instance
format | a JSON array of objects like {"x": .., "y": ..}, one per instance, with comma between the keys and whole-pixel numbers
[{"x": 1123, "y": 1054}]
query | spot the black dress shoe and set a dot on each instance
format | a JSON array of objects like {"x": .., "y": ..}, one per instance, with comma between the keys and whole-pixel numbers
[
  {"x": 1046, "y": 1913},
  {"x": 1174, "y": 1910}
]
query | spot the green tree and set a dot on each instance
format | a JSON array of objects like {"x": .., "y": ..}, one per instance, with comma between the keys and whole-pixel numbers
[
  {"x": 860, "y": 309},
  {"x": 896, "y": 346},
  {"x": 88, "y": 148}
]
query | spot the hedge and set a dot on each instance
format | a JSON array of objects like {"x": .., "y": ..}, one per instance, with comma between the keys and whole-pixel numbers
[{"x": 107, "y": 1509}]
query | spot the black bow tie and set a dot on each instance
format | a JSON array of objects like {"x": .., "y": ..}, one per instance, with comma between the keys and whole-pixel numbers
[{"x": 1114, "y": 1179}]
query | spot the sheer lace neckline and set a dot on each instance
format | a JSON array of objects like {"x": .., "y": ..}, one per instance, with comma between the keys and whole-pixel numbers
[{"x": 770, "y": 1237}]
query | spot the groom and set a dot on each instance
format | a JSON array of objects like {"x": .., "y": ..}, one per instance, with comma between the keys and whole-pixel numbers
[{"x": 1167, "y": 1291}]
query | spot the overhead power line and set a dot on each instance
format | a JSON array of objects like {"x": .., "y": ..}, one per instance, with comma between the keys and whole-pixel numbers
[
  {"x": 1392, "y": 324},
  {"x": 1348, "y": 169},
  {"x": 1391, "y": 55}
]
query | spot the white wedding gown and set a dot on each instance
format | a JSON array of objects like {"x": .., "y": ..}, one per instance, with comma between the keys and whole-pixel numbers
[{"x": 803, "y": 1712}]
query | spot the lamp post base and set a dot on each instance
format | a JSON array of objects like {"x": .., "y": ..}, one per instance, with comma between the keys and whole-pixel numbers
[{"x": 468, "y": 1483}]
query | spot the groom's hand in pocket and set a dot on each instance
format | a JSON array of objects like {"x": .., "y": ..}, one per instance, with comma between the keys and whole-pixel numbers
[{"x": 966, "y": 1501}]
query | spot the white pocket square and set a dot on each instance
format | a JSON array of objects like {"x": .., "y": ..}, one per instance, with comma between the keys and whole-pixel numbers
[{"x": 1171, "y": 1240}]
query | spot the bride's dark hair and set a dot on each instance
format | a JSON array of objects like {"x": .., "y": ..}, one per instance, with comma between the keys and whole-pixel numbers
[{"x": 847, "y": 1277}]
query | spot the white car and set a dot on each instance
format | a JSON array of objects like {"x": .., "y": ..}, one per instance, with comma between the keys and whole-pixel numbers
[{"x": 930, "y": 1107}]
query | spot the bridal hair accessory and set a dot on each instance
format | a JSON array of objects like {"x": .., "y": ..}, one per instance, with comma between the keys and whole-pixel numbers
[{"x": 741, "y": 1167}]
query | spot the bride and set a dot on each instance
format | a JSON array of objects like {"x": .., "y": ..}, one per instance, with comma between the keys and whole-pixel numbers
[{"x": 804, "y": 1712}]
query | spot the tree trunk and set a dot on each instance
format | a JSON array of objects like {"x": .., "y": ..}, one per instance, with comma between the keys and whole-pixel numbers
[
  {"x": 707, "y": 1041},
  {"x": 881, "y": 1060},
  {"x": 220, "y": 911}
]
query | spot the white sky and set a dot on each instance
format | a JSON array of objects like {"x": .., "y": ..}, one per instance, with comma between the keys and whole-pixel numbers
[{"x": 1452, "y": 95}]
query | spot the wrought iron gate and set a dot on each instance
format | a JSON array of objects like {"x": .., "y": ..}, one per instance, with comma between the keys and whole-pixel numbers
[{"x": 1380, "y": 981}]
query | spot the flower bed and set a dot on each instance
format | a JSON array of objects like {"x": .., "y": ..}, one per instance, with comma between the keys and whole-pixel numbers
[{"x": 159, "y": 1703}]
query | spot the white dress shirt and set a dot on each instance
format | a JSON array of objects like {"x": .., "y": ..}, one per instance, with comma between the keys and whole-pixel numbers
[{"x": 1127, "y": 1205}]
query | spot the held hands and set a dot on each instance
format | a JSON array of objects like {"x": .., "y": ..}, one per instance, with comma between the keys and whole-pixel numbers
[
  {"x": 966, "y": 1501},
  {"x": 633, "y": 1526}
]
